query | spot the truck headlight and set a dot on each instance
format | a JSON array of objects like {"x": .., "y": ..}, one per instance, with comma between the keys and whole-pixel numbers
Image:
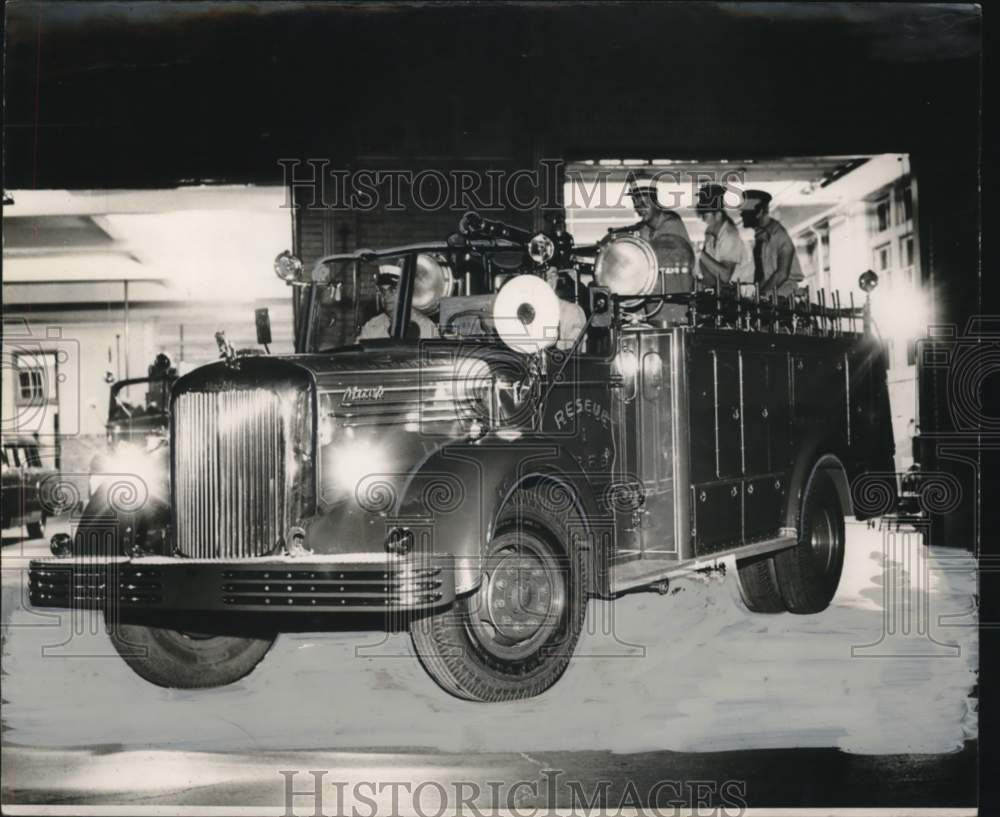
[
  {"x": 354, "y": 463},
  {"x": 132, "y": 467}
]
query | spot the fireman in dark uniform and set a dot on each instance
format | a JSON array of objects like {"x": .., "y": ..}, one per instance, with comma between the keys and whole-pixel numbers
[{"x": 776, "y": 264}]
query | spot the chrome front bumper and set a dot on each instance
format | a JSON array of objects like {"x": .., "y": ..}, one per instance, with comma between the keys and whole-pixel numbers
[{"x": 348, "y": 583}]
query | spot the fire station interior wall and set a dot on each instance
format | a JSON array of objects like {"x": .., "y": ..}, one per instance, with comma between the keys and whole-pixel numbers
[{"x": 89, "y": 345}]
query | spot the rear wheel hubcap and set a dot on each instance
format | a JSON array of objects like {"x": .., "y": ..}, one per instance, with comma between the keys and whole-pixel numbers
[{"x": 823, "y": 539}]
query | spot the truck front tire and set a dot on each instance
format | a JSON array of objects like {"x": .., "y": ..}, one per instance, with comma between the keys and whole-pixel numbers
[
  {"x": 182, "y": 660},
  {"x": 513, "y": 637}
]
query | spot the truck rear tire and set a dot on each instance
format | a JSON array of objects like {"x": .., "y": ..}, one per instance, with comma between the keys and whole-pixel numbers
[
  {"x": 809, "y": 573},
  {"x": 759, "y": 585},
  {"x": 513, "y": 638},
  {"x": 182, "y": 660}
]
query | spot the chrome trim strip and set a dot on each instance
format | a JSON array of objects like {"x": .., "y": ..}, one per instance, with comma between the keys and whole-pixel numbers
[
  {"x": 680, "y": 429},
  {"x": 847, "y": 393},
  {"x": 715, "y": 398}
]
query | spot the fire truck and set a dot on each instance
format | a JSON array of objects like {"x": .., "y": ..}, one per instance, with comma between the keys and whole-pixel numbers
[{"x": 476, "y": 487}]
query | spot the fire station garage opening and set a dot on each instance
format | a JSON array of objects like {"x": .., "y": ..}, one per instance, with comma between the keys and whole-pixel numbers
[{"x": 845, "y": 214}]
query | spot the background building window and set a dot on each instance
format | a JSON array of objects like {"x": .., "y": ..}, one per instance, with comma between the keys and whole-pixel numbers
[
  {"x": 883, "y": 257},
  {"x": 31, "y": 386},
  {"x": 812, "y": 256},
  {"x": 906, "y": 251},
  {"x": 904, "y": 203},
  {"x": 907, "y": 260},
  {"x": 883, "y": 218}
]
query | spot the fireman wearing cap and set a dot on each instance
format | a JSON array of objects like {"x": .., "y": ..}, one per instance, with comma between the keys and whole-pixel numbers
[
  {"x": 725, "y": 258},
  {"x": 387, "y": 282},
  {"x": 776, "y": 265},
  {"x": 663, "y": 228}
]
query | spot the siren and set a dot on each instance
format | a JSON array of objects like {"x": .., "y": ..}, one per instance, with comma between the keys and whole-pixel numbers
[{"x": 526, "y": 314}]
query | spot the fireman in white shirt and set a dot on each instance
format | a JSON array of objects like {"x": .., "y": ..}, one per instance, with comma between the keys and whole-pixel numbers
[
  {"x": 725, "y": 258},
  {"x": 387, "y": 282}
]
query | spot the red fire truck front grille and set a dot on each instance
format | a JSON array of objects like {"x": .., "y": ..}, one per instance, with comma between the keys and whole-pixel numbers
[{"x": 230, "y": 462}]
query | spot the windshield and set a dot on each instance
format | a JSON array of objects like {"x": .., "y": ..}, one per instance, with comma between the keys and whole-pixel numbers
[
  {"x": 451, "y": 295},
  {"x": 362, "y": 298}
]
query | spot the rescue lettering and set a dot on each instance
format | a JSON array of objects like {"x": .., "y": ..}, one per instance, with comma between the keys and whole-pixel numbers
[{"x": 582, "y": 407}]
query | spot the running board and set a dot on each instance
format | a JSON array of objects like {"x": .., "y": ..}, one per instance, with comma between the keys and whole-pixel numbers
[{"x": 643, "y": 572}]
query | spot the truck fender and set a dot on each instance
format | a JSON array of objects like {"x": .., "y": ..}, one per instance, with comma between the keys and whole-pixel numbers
[
  {"x": 816, "y": 452},
  {"x": 457, "y": 494}
]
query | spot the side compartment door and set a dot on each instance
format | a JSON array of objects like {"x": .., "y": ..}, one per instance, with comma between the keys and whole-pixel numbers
[
  {"x": 646, "y": 406},
  {"x": 764, "y": 377},
  {"x": 654, "y": 447},
  {"x": 716, "y": 440},
  {"x": 716, "y": 435}
]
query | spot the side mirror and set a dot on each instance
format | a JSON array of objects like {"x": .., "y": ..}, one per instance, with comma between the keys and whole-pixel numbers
[{"x": 262, "y": 318}]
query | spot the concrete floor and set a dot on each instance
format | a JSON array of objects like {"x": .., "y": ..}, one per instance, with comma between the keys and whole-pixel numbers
[{"x": 870, "y": 703}]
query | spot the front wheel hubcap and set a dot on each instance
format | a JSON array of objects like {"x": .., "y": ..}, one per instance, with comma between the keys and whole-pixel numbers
[
  {"x": 521, "y": 598},
  {"x": 518, "y": 596}
]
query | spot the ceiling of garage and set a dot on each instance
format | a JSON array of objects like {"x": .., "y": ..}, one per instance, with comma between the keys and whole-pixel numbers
[{"x": 104, "y": 95}]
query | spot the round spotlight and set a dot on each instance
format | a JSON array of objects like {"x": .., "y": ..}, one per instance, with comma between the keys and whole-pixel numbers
[
  {"x": 541, "y": 249},
  {"x": 434, "y": 281},
  {"x": 526, "y": 314},
  {"x": 627, "y": 266},
  {"x": 287, "y": 267}
]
